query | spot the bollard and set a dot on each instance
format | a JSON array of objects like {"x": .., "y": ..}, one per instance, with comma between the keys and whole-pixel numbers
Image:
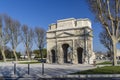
[
  {"x": 42, "y": 68},
  {"x": 14, "y": 68},
  {"x": 28, "y": 69}
]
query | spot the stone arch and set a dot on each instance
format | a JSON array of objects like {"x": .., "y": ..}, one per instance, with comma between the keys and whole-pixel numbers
[
  {"x": 66, "y": 53},
  {"x": 63, "y": 32},
  {"x": 80, "y": 54},
  {"x": 53, "y": 56}
]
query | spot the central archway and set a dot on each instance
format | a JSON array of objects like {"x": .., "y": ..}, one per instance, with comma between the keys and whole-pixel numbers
[{"x": 65, "y": 52}]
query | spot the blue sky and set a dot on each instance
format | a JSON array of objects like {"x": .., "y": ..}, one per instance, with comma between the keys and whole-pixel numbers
[{"x": 44, "y": 12}]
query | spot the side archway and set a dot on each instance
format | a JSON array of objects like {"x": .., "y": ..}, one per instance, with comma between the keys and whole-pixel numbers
[
  {"x": 79, "y": 54},
  {"x": 53, "y": 56}
]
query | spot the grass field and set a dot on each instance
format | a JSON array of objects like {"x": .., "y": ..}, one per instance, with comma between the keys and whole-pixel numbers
[
  {"x": 23, "y": 61},
  {"x": 29, "y": 62},
  {"x": 106, "y": 62},
  {"x": 102, "y": 70}
]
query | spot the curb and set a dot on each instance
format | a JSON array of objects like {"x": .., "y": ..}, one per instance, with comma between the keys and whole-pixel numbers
[{"x": 82, "y": 76}]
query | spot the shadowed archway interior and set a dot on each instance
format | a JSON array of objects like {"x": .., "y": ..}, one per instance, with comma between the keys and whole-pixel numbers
[
  {"x": 79, "y": 53},
  {"x": 53, "y": 56},
  {"x": 65, "y": 52}
]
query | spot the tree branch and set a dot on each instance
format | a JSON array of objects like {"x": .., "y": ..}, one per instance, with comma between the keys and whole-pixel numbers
[
  {"x": 110, "y": 17},
  {"x": 101, "y": 18},
  {"x": 116, "y": 19}
]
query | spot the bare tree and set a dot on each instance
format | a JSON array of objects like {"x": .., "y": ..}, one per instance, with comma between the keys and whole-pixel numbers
[
  {"x": 4, "y": 38},
  {"x": 27, "y": 37},
  {"x": 40, "y": 35},
  {"x": 13, "y": 30},
  {"x": 106, "y": 40},
  {"x": 107, "y": 12}
]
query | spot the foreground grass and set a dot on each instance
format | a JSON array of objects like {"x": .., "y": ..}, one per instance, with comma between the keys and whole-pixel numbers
[
  {"x": 102, "y": 70},
  {"x": 8, "y": 60},
  {"x": 23, "y": 61},
  {"x": 106, "y": 62},
  {"x": 29, "y": 62},
  {"x": 103, "y": 63}
]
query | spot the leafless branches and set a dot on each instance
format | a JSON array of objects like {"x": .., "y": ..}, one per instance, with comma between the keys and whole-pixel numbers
[
  {"x": 107, "y": 12},
  {"x": 27, "y": 37},
  {"x": 40, "y": 35},
  {"x": 13, "y": 30}
]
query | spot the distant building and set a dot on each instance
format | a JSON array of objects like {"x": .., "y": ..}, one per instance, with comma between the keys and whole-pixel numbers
[
  {"x": 118, "y": 54},
  {"x": 101, "y": 56},
  {"x": 26, "y": 57},
  {"x": 70, "y": 41}
]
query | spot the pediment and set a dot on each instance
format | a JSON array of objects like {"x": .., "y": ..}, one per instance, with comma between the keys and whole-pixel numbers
[{"x": 64, "y": 34}]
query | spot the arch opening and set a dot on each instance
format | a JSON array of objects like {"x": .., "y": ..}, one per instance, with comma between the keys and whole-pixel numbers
[
  {"x": 53, "y": 56},
  {"x": 79, "y": 54},
  {"x": 66, "y": 53}
]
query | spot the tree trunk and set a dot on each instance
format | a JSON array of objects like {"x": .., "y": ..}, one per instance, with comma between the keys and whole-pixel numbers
[
  {"x": 14, "y": 52},
  {"x": 41, "y": 53},
  {"x": 114, "y": 53},
  {"x": 28, "y": 55},
  {"x": 3, "y": 54}
]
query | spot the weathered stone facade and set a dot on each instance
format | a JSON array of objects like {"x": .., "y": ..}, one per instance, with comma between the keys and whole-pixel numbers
[{"x": 70, "y": 41}]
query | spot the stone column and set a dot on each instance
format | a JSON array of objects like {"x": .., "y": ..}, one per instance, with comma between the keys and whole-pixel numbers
[
  {"x": 58, "y": 54},
  {"x": 47, "y": 60},
  {"x": 56, "y": 48},
  {"x": 85, "y": 56},
  {"x": 61, "y": 60},
  {"x": 48, "y": 57},
  {"x": 74, "y": 56}
]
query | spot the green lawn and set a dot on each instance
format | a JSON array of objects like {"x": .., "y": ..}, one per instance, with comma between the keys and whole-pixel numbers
[
  {"x": 23, "y": 61},
  {"x": 102, "y": 70},
  {"x": 10, "y": 60},
  {"x": 106, "y": 62},
  {"x": 103, "y": 63},
  {"x": 6, "y": 60},
  {"x": 31, "y": 62}
]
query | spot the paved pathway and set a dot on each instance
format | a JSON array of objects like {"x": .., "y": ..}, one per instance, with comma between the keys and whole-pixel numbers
[
  {"x": 51, "y": 70},
  {"x": 7, "y": 69}
]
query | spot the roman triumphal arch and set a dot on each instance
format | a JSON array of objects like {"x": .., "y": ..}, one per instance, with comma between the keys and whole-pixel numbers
[{"x": 70, "y": 41}]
